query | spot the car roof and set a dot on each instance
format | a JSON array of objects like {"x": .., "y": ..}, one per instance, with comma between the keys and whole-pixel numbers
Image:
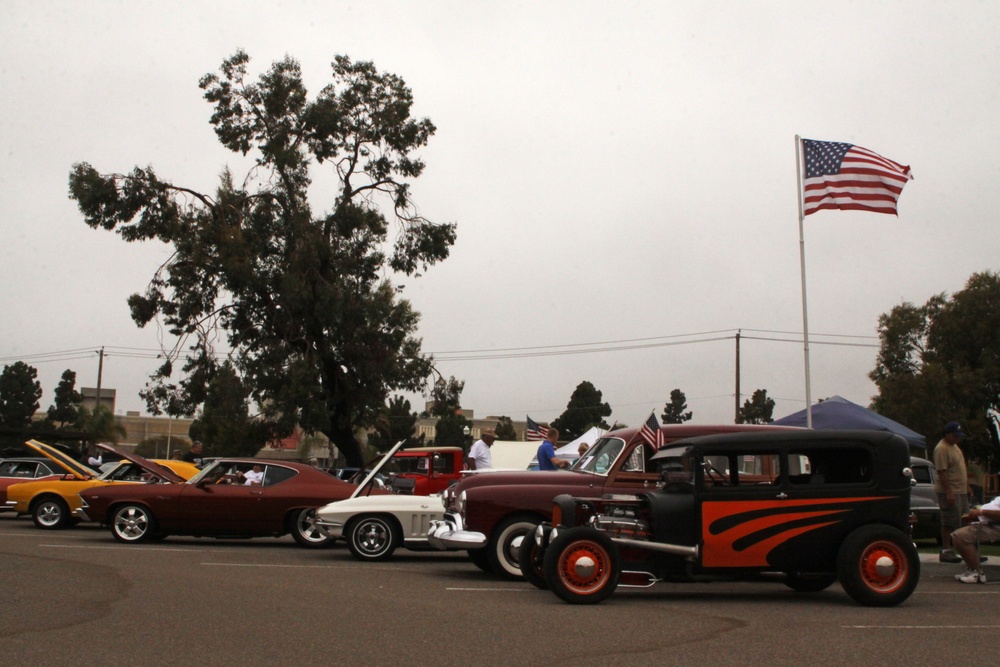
[{"x": 796, "y": 437}]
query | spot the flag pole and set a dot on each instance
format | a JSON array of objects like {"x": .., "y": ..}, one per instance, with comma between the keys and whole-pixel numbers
[{"x": 802, "y": 264}]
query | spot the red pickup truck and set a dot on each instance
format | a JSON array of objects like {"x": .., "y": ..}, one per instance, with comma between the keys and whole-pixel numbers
[{"x": 489, "y": 515}]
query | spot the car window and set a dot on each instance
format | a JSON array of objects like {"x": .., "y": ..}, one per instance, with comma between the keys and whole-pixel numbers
[
  {"x": 740, "y": 468},
  {"x": 635, "y": 462},
  {"x": 833, "y": 465},
  {"x": 601, "y": 456},
  {"x": 277, "y": 474},
  {"x": 922, "y": 474}
]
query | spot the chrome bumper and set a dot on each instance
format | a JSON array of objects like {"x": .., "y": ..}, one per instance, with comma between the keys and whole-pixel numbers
[
  {"x": 8, "y": 506},
  {"x": 81, "y": 512},
  {"x": 448, "y": 533},
  {"x": 333, "y": 528}
]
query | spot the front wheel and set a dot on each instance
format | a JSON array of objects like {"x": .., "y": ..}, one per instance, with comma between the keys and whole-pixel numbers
[
  {"x": 530, "y": 558},
  {"x": 372, "y": 538},
  {"x": 582, "y": 566},
  {"x": 51, "y": 513},
  {"x": 878, "y": 566},
  {"x": 132, "y": 524},
  {"x": 307, "y": 532},
  {"x": 507, "y": 539}
]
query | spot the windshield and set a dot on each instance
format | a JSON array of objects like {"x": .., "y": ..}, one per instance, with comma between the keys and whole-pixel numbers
[{"x": 599, "y": 458}]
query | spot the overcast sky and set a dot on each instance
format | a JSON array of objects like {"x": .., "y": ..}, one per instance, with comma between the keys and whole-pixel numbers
[{"x": 618, "y": 172}]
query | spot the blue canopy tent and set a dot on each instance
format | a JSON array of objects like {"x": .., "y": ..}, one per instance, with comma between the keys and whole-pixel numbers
[{"x": 836, "y": 413}]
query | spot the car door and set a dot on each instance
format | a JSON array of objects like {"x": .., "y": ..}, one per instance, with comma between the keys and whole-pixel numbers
[{"x": 218, "y": 503}]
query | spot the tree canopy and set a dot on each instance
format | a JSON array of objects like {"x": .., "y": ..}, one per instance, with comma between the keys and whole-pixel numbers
[
  {"x": 583, "y": 411},
  {"x": 306, "y": 301},
  {"x": 65, "y": 409},
  {"x": 758, "y": 409},
  {"x": 674, "y": 410},
  {"x": 20, "y": 392},
  {"x": 941, "y": 362}
]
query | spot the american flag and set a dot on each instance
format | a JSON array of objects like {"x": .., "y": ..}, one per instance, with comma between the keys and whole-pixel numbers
[
  {"x": 849, "y": 177},
  {"x": 535, "y": 432},
  {"x": 651, "y": 433}
]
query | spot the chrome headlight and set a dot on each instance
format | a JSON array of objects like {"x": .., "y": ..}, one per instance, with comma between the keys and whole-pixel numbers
[
  {"x": 540, "y": 535},
  {"x": 460, "y": 504}
]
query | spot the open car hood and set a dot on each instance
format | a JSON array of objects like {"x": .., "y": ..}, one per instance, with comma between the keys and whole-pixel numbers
[
  {"x": 374, "y": 471},
  {"x": 152, "y": 468},
  {"x": 71, "y": 466}
]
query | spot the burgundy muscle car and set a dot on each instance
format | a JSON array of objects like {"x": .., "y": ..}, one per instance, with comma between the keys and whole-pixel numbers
[{"x": 236, "y": 497}]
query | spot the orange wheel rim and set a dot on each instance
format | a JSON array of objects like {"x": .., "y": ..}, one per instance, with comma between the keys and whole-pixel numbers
[
  {"x": 884, "y": 567},
  {"x": 585, "y": 567}
]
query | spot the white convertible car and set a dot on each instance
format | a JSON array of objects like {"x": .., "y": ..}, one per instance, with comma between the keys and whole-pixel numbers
[
  {"x": 375, "y": 525},
  {"x": 375, "y": 522}
]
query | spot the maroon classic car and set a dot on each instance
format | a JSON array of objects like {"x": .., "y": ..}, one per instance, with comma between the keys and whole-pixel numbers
[
  {"x": 489, "y": 515},
  {"x": 229, "y": 498}
]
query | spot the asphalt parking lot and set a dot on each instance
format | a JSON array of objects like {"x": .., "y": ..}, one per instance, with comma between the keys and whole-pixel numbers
[{"x": 77, "y": 596}]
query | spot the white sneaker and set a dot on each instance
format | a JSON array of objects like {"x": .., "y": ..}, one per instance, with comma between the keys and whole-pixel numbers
[
  {"x": 958, "y": 577},
  {"x": 972, "y": 577}
]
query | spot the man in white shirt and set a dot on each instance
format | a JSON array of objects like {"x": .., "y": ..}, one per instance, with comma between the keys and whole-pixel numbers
[
  {"x": 254, "y": 477},
  {"x": 480, "y": 457}
]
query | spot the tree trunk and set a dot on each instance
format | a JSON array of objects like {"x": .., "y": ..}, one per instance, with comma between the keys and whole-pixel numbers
[{"x": 348, "y": 445}]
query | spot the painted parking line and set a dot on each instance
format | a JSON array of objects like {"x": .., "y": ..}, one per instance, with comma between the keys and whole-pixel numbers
[
  {"x": 920, "y": 627},
  {"x": 492, "y": 590}
]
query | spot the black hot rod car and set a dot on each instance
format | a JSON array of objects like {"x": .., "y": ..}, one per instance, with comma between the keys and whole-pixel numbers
[{"x": 808, "y": 508}]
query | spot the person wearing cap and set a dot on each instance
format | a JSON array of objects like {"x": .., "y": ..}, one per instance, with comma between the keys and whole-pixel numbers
[
  {"x": 480, "y": 457},
  {"x": 952, "y": 487}
]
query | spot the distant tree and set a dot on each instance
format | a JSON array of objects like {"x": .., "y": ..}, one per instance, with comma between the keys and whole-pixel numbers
[
  {"x": 224, "y": 425},
  {"x": 617, "y": 425},
  {"x": 446, "y": 405},
  {"x": 20, "y": 392},
  {"x": 941, "y": 361},
  {"x": 673, "y": 412},
  {"x": 306, "y": 297},
  {"x": 398, "y": 423},
  {"x": 505, "y": 429},
  {"x": 101, "y": 425},
  {"x": 758, "y": 410},
  {"x": 583, "y": 411},
  {"x": 65, "y": 409}
]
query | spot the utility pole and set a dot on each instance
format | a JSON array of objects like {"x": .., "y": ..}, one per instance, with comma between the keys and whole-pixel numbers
[
  {"x": 100, "y": 372},
  {"x": 737, "y": 418}
]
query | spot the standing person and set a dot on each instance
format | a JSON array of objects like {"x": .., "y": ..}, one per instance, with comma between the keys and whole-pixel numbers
[
  {"x": 193, "y": 455},
  {"x": 480, "y": 457},
  {"x": 952, "y": 487},
  {"x": 94, "y": 460},
  {"x": 967, "y": 540},
  {"x": 547, "y": 452}
]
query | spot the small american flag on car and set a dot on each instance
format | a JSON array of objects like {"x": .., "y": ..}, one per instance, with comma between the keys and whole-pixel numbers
[
  {"x": 651, "y": 433},
  {"x": 535, "y": 431}
]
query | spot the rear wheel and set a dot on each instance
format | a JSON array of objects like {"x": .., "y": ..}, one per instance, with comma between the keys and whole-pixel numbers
[
  {"x": 372, "y": 537},
  {"x": 878, "y": 566},
  {"x": 582, "y": 566},
  {"x": 307, "y": 532},
  {"x": 505, "y": 544},
  {"x": 51, "y": 513},
  {"x": 530, "y": 558},
  {"x": 132, "y": 524}
]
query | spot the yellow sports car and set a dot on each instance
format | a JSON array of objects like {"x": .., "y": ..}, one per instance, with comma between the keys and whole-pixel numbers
[{"x": 52, "y": 502}]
